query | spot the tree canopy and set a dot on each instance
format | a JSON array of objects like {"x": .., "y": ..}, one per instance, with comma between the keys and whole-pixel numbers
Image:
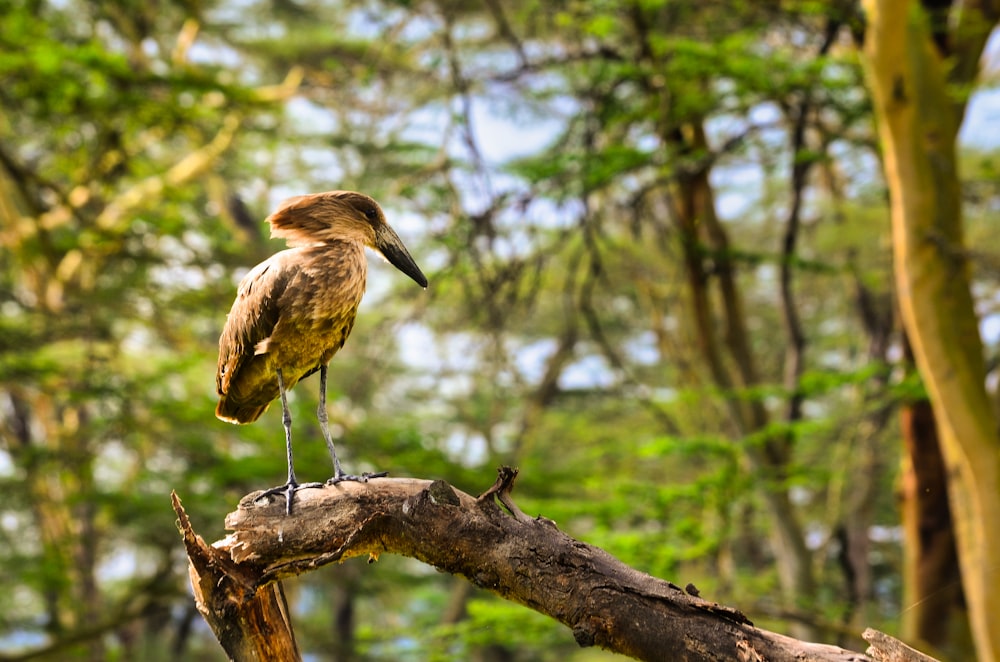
[{"x": 660, "y": 251}]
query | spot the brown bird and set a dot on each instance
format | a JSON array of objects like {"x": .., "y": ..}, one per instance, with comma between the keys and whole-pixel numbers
[{"x": 294, "y": 311}]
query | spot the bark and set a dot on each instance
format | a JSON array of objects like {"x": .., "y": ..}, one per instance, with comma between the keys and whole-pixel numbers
[
  {"x": 913, "y": 82},
  {"x": 493, "y": 545},
  {"x": 249, "y": 617},
  {"x": 931, "y": 578},
  {"x": 886, "y": 649}
]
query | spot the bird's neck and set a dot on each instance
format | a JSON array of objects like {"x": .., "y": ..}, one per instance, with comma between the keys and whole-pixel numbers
[{"x": 342, "y": 262}]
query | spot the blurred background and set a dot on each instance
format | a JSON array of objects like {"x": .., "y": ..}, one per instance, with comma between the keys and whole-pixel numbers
[{"x": 657, "y": 238}]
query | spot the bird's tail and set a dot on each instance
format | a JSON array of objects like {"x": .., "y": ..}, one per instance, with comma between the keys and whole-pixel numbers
[{"x": 238, "y": 413}]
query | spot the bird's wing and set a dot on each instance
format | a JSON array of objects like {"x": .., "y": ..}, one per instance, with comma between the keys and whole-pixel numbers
[{"x": 253, "y": 317}]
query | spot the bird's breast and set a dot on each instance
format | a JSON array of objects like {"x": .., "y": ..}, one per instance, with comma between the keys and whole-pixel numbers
[{"x": 318, "y": 308}]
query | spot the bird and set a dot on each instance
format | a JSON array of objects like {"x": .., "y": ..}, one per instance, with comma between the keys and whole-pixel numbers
[{"x": 295, "y": 310}]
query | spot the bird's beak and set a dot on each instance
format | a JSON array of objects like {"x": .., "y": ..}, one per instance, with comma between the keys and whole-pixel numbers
[{"x": 391, "y": 246}]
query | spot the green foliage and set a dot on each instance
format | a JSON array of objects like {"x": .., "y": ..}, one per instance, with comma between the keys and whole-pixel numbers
[{"x": 538, "y": 164}]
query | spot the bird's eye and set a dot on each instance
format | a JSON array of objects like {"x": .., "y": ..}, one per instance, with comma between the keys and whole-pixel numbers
[{"x": 371, "y": 214}]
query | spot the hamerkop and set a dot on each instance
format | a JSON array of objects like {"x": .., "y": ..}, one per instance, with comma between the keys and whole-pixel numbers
[{"x": 294, "y": 311}]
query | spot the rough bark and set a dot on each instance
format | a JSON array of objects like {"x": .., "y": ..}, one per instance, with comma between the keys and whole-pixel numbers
[
  {"x": 248, "y": 617},
  {"x": 932, "y": 582},
  {"x": 493, "y": 545},
  {"x": 913, "y": 71},
  {"x": 884, "y": 648}
]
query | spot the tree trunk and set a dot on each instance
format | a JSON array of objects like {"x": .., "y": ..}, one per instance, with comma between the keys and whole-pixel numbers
[
  {"x": 919, "y": 117},
  {"x": 932, "y": 588}
]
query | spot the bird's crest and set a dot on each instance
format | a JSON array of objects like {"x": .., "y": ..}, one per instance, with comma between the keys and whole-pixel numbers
[{"x": 320, "y": 217}]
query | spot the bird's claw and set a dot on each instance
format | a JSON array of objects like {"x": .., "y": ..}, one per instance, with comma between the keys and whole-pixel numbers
[
  {"x": 288, "y": 490},
  {"x": 363, "y": 478}
]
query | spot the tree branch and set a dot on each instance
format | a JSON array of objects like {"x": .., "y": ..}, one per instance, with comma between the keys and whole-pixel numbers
[{"x": 524, "y": 559}]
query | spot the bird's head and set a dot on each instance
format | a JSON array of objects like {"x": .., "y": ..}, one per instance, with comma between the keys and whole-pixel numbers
[{"x": 342, "y": 216}]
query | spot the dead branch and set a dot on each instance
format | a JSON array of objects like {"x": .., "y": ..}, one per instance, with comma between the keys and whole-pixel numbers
[
  {"x": 487, "y": 540},
  {"x": 884, "y": 648}
]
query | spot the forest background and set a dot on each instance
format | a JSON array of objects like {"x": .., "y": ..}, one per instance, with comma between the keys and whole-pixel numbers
[{"x": 661, "y": 262}]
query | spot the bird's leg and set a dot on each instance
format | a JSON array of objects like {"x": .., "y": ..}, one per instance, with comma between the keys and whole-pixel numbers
[
  {"x": 286, "y": 422},
  {"x": 324, "y": 425},
  {"x": 290, "y": 487}
]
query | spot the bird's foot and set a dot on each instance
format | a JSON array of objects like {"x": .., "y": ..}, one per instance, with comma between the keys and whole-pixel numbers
[
  {"x": 288, "y": 490},
  {"x": 363, "y": 478}
]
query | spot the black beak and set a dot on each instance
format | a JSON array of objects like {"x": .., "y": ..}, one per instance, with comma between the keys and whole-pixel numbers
[{"x": 391, "y": 246}]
